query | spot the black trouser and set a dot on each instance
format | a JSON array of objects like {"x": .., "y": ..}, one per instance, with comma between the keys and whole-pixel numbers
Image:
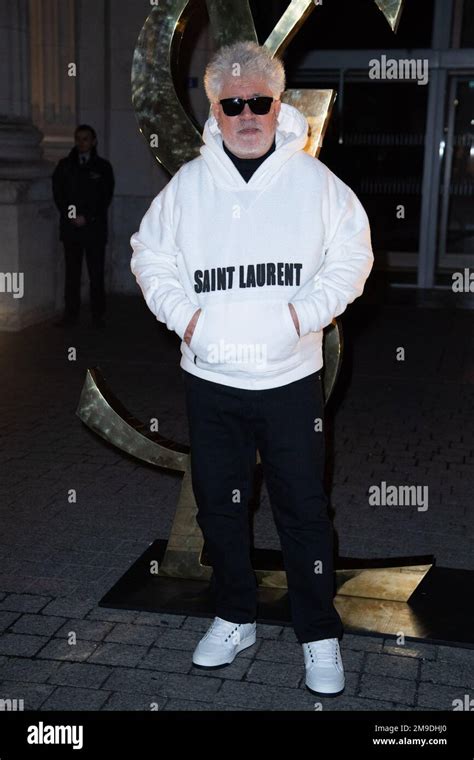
[
  {"x": 227, "y": 425},
  {"x": 95, "y": 258}
]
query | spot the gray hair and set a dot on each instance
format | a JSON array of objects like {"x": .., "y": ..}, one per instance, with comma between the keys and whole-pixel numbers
[{"x": 239, "y": 60}]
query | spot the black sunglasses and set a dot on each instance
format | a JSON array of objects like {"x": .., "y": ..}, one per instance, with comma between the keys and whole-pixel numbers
[{"x": 260, "y": 104}]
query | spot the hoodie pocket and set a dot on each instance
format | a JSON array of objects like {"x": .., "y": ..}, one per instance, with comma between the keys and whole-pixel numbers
[{"x": 245, "y": 336}]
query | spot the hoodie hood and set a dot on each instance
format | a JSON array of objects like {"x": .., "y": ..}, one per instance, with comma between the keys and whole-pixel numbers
[{"x": 291, "y": 136}]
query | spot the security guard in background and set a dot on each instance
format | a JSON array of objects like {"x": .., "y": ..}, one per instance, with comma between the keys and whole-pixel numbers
[{"x": 83, "y": 187}]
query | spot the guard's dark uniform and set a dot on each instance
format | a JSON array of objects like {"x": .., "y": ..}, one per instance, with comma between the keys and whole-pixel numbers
[{"x": 89, "y": 187}]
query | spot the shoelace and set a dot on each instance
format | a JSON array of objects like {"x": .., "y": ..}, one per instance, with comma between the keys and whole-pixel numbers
[
  {"x": 324, "y": 652},
  {"x": 233, "y": 632}
]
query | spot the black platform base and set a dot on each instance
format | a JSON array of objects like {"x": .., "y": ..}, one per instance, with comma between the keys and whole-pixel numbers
[{"x": 442, "y": 603}]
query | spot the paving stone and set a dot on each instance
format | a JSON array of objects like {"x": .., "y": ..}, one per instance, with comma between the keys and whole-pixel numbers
[
  {"x": 281, "y": 651},
  {"x": 52, "y": 586},
  {"x": 181, "y": 639},
  {"x": 361, "y": 643},
  {"x": 446, "y": 698},
  {"x": 183, "y": 705},
  {"x": 114, "y": 616},
  {"x": 164, "y": 684},
  {"x": 81, "y": 674},
  {"x": 68, "y": 607},
  {"x": 118, "y": 654},
  {"x": 265, "y": 631},
  {"x": 133, "y": 634},
  {"x": 167, "y": 660},
  {"x": 7, "y": 619},
  {"x": 15, "y": 583},
  {"x": 165, "y": 621},
  {"x": 66, "y": 698},
  {"x": 355, "y": 704},
  {"x": 197, "y": 624},
  {"x": 24, "y": 602},
  {"x": 455, "y": 654},
  {"x": 274, "y": 673},
  {"x": 18, "y": 644},
  {"x": 85, "y": 630},
  {"x": 288, "y": 634},
  {"x": 26, "y": 669},
  {"x": 59, "y": 649},
  {"x": 392, "y": 666},
  {"x": 32, "y": 694},
  {"x": 263, "y": 697},
  {"x": 129, "y": 701},
  {"x": 353, "y": 661},
  {"x": 411, "y": 649},
  {"x": 449, "y": 673},
  {"x": 37, "y": 624},
  {"x": 385, "y": 688}
]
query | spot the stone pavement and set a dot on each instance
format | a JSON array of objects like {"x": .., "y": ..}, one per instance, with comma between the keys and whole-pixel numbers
[{"x": 404, "y": 422}]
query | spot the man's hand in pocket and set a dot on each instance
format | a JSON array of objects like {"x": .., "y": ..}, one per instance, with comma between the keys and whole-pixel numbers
[
  {"x": 190, "y": 328},
  {"x": 294, "y": 315}
]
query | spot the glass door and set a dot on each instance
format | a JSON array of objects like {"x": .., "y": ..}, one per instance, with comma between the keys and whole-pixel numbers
[
  {"x": 375, "y": 143},
  {"x": 456, "y": 217}
]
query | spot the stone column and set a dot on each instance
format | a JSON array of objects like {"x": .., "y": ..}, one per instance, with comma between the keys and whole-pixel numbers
[
  {"x": 53, "y": 92},
  {"x": 27, "y": 215}
]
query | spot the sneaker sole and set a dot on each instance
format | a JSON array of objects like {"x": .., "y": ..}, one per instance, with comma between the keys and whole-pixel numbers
[
  {"x": 326, "y": 693},
  {"x": 248, "y": 642}
]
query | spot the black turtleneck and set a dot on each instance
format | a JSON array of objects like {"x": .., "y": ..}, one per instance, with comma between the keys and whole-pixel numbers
[{"x": 247, "y": 166}]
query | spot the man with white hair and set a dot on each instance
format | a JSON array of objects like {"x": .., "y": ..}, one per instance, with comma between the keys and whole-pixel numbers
[{"x": 249, "y": 251}]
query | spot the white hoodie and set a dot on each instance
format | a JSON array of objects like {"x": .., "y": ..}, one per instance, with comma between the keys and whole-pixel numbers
[{"x": 242, "y": 251}]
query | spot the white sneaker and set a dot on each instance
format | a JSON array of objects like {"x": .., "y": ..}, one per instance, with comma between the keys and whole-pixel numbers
[
  {"x": 324, "y": 669},
  {"x": 222, "y": 642}
]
